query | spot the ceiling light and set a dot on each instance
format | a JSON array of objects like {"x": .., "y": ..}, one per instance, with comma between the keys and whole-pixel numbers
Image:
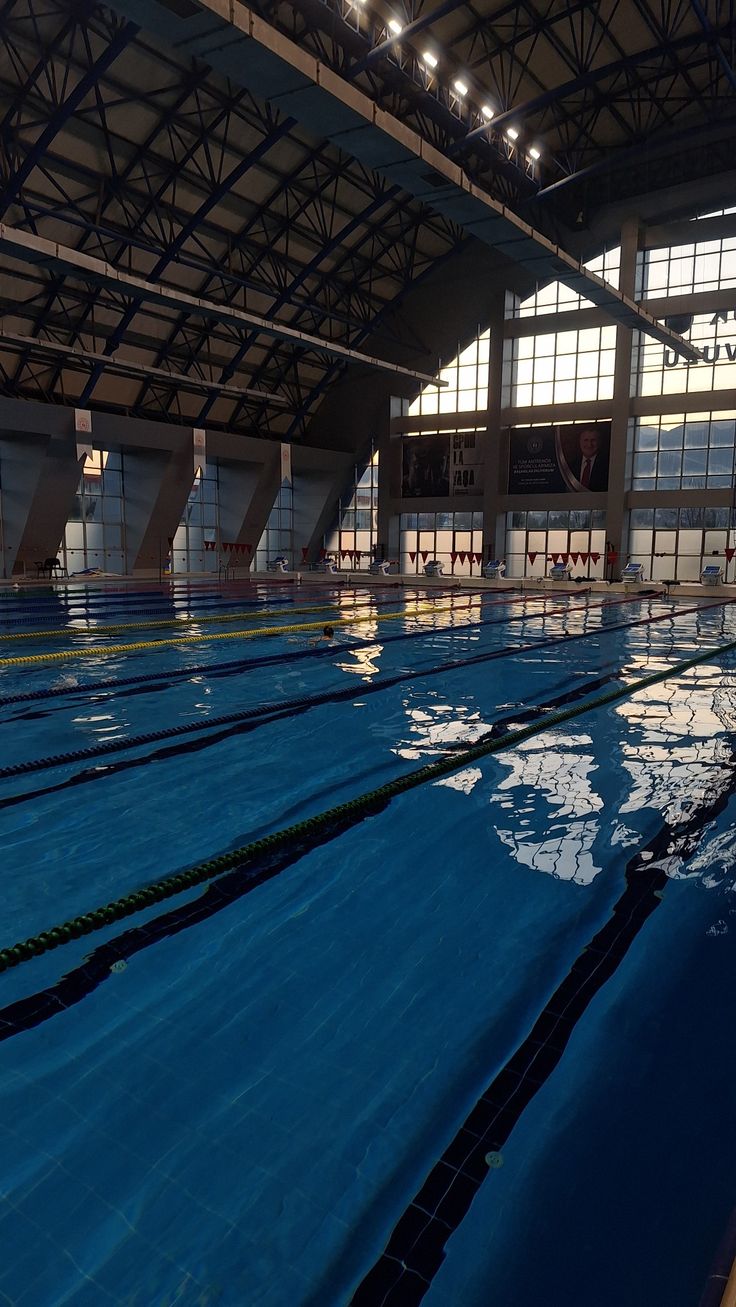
[
  {"x": 460, "y": 87},
  {"x": 512, "y": 134},
  {"x": 534, "y": 153},
  {"x": 395, "y": 26},
  {"x": 487, "y": 112},
  {"x": 430, "y": 59}
]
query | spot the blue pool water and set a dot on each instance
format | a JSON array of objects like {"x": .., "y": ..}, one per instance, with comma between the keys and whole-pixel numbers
[{"x": 244, "y": 1111}]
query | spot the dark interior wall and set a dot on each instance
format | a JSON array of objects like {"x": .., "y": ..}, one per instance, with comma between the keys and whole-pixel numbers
[{"x": 451, "y": 305}]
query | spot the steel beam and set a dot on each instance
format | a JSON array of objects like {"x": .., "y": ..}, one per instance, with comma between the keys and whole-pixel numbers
[
  {"x": 29, "y": 248},
  {"x": 255, "y": 55},
  {"x": 66, "y": 355}
]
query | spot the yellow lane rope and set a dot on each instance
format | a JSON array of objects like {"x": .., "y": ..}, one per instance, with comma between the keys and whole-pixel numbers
[
  {"x": 180, "y": 621},
  {"x": 104, "y": 650}
]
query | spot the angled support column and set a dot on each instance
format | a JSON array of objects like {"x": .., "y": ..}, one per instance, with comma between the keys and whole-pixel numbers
[
  {"x": 157, "y": 484},
  {"x": 52, "y": 504},
  {"x": 247, "y": 494},
  {"x": 319, "y": 477},
  {"x": 39, "y": 476}
]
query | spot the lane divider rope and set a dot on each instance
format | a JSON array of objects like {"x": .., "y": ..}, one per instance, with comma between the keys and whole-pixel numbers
[
  {"x": 245, "y": 664},
  {"x": 169, "y": 886},
  {"x": 284, "y": 707},
  {"x": 189, "y": 620},
  {"x": 249, "y": 633}
]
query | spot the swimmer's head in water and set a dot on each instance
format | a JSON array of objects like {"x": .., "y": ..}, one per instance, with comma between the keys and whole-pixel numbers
[{"x": 329, "y": 631}]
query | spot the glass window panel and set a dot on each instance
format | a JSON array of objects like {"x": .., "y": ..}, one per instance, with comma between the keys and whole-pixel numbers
[
  {"x": 671, "y": 439},
  {"x": 696, "y": 434},
  {"x": 641, "y": 517},
  {"x": 669, "y": 463},
  {"x": 665, "y": 517},
  {"x": 645, "y": 465}
]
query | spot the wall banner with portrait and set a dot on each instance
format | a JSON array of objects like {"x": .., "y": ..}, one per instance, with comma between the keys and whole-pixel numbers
[
  {"x": 571, "y": 457},
  {"x": 442, "y": 466}
]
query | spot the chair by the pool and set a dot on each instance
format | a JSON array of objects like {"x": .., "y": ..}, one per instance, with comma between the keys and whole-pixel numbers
[{"x": 51, "y": 567}]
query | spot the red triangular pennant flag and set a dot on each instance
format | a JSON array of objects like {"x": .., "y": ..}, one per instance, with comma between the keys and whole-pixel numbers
[
  {"x": 564, "y": 558},
  {"x": 594, "y": 558},
  {"x": 425, "y": 555},
  {"x": 575, "y": 558},
  {"x": 584, "y": 558},
  {"x": 462, "y": 555},
  {"x": 730, "y": 553},
  {"x": 453, "y": 555},
  {"x": 478, "y": 558},
  {"x": 412, "y": 554},
  {"x": 531, "y": 557}
]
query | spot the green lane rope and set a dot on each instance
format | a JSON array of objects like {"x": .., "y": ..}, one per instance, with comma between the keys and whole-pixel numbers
[
  {"x": 104, "y": 650},
  {"x": 169, "y": 886}
]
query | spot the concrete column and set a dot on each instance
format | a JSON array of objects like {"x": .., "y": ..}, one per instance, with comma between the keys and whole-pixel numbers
[
  {"x": 156, "y": 485},
  {"x": 58, "y": 483},
  {"x": 247, "y": 495},
  {"x": 21, "y": 461},
  {"x": 495, "y": 441},
  {"x": 615, "y": 524},
  {"x": 388, "y": 530}
]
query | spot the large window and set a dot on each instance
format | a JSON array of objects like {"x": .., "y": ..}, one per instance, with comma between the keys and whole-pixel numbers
[
  {"x": 467, "y": 378},
  {"x": 454, "y": 539},
  {"x": 675, "y": 544},
  {"x": 558, "y": 298},
  {"x": 682, "y": 453},
  {"x": 564, "y": 368},
  {"x": 687, "y": 269},
  {"x": 355, "y": 533},
  {"x": 537, "y": 539},
  {"x": 95, "y": 532},
  {"x": 659, "y": 371},
  {"x": 195, "y": 543}
]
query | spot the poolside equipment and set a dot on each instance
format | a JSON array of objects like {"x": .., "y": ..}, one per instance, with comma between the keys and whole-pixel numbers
[
  {"x": 632, "y": 573},
  {"x": 711, "y": 575},
  {"x": 493, "y": 570}
]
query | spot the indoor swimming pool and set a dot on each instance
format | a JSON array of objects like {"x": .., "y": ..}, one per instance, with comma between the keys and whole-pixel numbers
[{"x": 441, "y": 1014}]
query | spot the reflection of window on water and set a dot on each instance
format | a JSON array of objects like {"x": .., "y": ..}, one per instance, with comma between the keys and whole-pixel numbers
[
  {"x": 678, "y": 755},
  {"x": 552, "y": 807}
]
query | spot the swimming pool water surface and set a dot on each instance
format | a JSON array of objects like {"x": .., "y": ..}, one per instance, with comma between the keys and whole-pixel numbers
[{"x": 469, "y": 1047}]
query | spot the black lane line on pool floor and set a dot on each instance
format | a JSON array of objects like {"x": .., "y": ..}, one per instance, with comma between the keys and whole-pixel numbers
[
  {"x": 232, "y": 724},
  {"x": 26, "y": 1013},
  {"x": 416, "y": 1248}
]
